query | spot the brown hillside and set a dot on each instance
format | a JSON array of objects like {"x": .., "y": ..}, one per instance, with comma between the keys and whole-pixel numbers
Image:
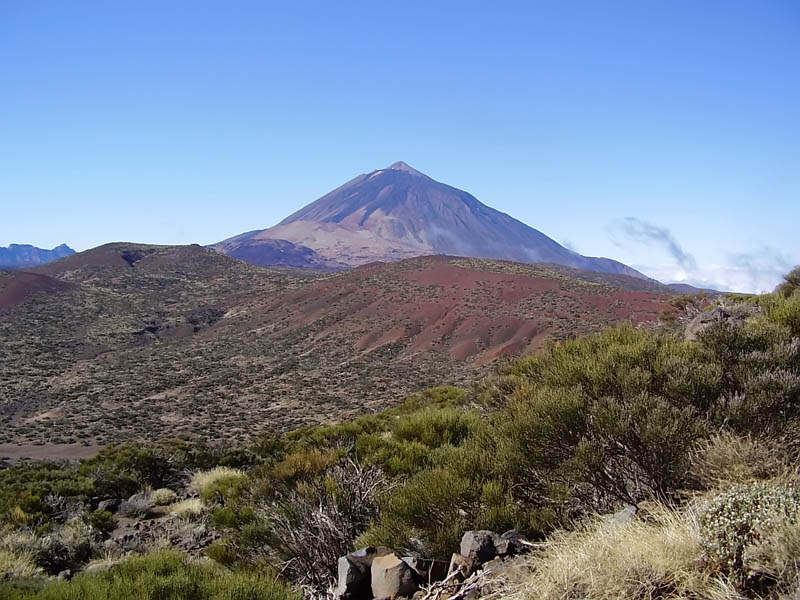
[{"x": 182, "y": 341}]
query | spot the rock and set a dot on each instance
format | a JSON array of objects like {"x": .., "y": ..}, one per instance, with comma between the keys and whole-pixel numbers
[
  {"x": 427, "y": 570},
  {"x": 392, "y": 578},
  {"x": 479, "y": 546},
  {"x": 65, "y": 574},
  {"x": 138, "y": 504},
  {"x": 624, "y": 516},
  {"x": 709, "y": 317},
  {"x": 492, "y": 564},
  {"x": 111, "y": 505},
  {"x": 101, "y": 566},
  {"x": 354, "y": 581},
  {"x": 510, "y": 544},
  {"x": 461, "y": 564}
]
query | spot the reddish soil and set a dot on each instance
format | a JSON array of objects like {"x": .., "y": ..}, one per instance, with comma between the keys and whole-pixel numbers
[
  {"x": 440, "y": 304},
  {"x": 17, "y": 286}
]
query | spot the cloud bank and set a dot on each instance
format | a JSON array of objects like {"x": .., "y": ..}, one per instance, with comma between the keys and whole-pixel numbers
[{"x": 757, "y": 271}]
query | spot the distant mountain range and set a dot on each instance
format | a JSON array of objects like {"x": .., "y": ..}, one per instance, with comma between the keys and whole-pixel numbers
[
  {"x": 397, "y": 213},
  {"x": 25, "y": 256}
]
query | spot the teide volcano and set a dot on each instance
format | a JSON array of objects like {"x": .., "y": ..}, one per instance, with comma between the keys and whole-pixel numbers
[{"x": 398, "y": 213}]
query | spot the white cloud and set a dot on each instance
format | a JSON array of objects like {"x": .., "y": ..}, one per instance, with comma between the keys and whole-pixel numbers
[{"x": 662, "y": 257}]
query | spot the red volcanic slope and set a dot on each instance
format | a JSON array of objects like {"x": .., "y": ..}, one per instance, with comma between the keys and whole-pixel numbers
[
  {"x": 445, "y": 305},
  {"x": 16, "y": 286}
]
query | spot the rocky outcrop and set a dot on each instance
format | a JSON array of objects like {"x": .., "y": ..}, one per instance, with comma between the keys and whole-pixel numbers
[
  {"x": 392, "y": 578},
  {"x": 355, "y": 573},
  {"x": 717, "y": 315},
  {"x": 380, "y": 574}
]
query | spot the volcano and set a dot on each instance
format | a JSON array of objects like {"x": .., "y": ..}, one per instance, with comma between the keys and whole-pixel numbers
[{"x": 397, "y": 213}]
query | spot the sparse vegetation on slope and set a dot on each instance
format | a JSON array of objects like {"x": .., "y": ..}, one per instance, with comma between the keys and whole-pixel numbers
[
  {"x": 700, "y": 434},
  {"x": 148, "y": 342}
]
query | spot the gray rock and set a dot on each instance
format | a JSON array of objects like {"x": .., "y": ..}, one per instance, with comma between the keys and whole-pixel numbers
[
  {"x": 354, "y": 581},
  {"x": 462, "y": 564},
  {"x": 392, "y": 578},
  {"x": 427, "y": 570},
  {"x": 100, "y": 567},
  {"x": 479, "y": 546},
  {"x": 624, "y": 516},
  {"x": 735, "y": 317},
  {"x": 136, "y": 505},
  {"x": 510, "y": 544},
  {"x": 65, "y": 574},
  {"x": 110, "y": 505}
]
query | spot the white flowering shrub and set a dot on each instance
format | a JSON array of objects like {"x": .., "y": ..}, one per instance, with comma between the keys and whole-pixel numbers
[{"x": 741, "y": 517}]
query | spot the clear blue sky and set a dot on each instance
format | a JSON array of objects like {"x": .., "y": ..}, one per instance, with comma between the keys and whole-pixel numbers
[{"x": 179, "y": 122}]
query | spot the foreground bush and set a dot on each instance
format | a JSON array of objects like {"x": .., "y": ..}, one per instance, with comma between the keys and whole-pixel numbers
[
  {"x": 744, "y": 516},
  {"x": 654, "y": 558},
  {"x": 162, "y": 576}
]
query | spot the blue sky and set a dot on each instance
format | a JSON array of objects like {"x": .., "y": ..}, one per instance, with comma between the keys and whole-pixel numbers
[{"x": 663, "y": 134}]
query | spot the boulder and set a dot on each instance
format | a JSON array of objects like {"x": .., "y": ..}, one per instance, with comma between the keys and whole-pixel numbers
[
  {"x": 462, "y": 564},
  {"x": 427, "y": 570},
  {"x": 354, "y": 582},
  {"x": 109, "y": 505},
  {"x": 510, "y": 543},
  {"x": 717, "y": 315},
  {"x": 392, "y": 578},
  {"x": 624, "y": 516},
  {"x": 136, "y": 505},
  {"x": 479, "y": 546}
]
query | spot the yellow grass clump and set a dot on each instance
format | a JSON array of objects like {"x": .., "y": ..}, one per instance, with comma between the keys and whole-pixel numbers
[
  {"x": 656, "y": 557},
  {"x": 14, "y": 565},
  {"x": 188, "y": 509},
  {"x": 203, "y": 480}
]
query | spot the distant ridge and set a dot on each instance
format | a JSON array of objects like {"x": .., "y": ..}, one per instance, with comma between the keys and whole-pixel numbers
[
  {"x": 25, "y": 256},
  {"x": 399, "y": 212}
]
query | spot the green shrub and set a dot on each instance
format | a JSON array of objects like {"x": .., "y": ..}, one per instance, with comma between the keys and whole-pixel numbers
[
  {"x": 102, "y": 521},
  {"x": 23, "y": 490},
  {"x": 120, "y": 471},
  {"x": 741, "y": 517},
  {"x": 162, "y": 576}
]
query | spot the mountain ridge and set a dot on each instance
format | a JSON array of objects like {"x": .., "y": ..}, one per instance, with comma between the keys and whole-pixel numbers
[
  {"x": 24, "y": 256},
  {"x": 399, "y": 212}
]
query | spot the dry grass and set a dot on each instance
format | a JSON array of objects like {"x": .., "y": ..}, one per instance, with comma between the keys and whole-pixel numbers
[
  {"x": 654, "y": 558},
  {"x": 728, "y": 459},
  {"x": 188, "y": 509},
  {"x": 15, "y": 565},
  {"x": 163, "y": 496},
  {"x": 203, "y": 480}
]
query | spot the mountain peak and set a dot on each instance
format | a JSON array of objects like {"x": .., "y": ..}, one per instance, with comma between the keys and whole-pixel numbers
[{"x": 401, "y": 166}]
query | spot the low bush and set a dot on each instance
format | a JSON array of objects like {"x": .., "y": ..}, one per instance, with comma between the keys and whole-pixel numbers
[
  {"x": 203, "y": 482},
  {"x": 17, "y": 565},
  {"x": 189, "y": 509},
  {"x": 727, "y": 458},
  {"x": 741, "y": 517},
  {"x": 163, "y": 496},
  {"x": 657, "y": 557},
  {"x": 162, "y": 575}
]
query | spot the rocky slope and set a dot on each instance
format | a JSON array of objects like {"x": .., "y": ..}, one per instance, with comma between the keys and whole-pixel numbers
[{"x": 398, "y": 212}]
